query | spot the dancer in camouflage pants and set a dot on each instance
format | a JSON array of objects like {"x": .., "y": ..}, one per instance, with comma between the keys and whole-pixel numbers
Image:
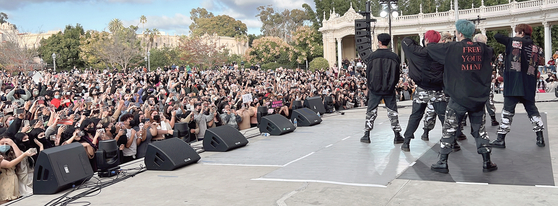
[
  {"x": 372, "y": 113},
  {"x": 422, "y": 99}
]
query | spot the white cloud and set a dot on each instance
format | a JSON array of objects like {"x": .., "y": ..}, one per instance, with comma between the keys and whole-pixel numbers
[
  {"x": 177, "y": 24},
  {"x": 207, "y": 4},
  {"x": 253, "y": 23}
]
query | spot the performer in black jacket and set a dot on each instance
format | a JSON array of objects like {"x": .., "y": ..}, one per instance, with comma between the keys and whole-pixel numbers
[
  {"x": 382, "y": 74},
  {"x": 428, "y": 75},
  {"x": 467, "y": 75},
  {"x": 520, "y": 80}
]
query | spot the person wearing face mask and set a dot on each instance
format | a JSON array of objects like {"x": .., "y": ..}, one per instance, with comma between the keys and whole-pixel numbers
[
  {"x": 9, "y": 184},
  {"x": 56, "y": 99}
]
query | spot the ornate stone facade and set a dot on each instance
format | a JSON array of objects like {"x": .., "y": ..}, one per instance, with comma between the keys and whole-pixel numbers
[{"x": 536, "y": 12}]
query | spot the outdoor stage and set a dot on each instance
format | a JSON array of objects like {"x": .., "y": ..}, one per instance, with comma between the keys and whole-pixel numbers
[{"x": 326, "y": 164}]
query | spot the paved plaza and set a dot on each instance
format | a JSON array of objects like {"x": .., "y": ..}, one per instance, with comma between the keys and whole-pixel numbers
[{"x": 327, "y": 165}]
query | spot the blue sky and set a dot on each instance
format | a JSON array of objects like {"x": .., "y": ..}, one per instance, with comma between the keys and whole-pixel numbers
[{"x": 169, "y": 16}]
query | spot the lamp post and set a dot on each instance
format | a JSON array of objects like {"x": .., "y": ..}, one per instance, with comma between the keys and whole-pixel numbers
[
  {"x": 54, "y": 61},
  {"x": 389, "y": 9},
  {"x": 148, "y": 61}
]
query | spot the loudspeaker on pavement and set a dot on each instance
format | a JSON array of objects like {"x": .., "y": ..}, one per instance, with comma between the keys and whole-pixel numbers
[
  {"x": 59, "y": 168},
  {"x": 276, "y": 125},
  {"x": 169, "y": 154},
  {"x": 223, "y": 138},
  {"x": 305, "y": 117},
  {"x": 315, "y": 104}
]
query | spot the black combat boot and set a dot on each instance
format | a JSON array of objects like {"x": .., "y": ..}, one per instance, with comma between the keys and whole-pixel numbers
[
  {"x": 500, "y": 141},
  {"x": 405, "y": 146},
  {"x": 461, "y": 137},
  {"x": 494, "y": 122},
  {"x": 487, "y": 165},
  {"x": 398, "y": 138},
  {"x": 366, "y": 137},
  {"x": 442, "y": 164},
  {"x": 455, "y": 147},
  {"x": 540, "y": 139},
  {"x": 425, "y": 135}
]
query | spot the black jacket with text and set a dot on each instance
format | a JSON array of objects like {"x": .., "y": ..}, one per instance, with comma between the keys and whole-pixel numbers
[
  {"x": 382, "y": 72},
  {"x": 467, "y": 71}
]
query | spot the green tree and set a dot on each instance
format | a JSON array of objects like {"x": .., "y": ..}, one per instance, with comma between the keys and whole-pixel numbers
[
  {"x": 66, "y": 46},
  {"x": 119, "y": 48},
  {"x": 306, "y": 44},
  {"x": 319, "y": 63},
  {"x": 281, "y": 24},
  {"x": 222, "y": 25},
  {"x": 165, "y": 56},
  {"x": 4, "y": 19},
  {"x": 270, "y": 49},
  {"x": 92, "y": 48}
]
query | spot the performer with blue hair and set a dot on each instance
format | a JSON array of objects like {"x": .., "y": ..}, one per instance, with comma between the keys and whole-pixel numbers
[{"x": 467, "y": 77}]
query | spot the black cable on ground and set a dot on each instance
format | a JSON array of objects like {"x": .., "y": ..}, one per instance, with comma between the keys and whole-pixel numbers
[{"x": 65, "y": 199}]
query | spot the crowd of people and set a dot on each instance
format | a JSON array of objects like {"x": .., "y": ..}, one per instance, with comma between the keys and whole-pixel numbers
[{"x": 45, "y": 109}]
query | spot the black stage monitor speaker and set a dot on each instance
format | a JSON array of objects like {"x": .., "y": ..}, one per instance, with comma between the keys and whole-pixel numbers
[
  {"x": 59, "y": 168},
  {"x": 181, "y": 131},
  {"x": 169, "y": 154},
  {"x": 223, "y": 138},
  {"x": 315, "y": 104},
  {"x": 276, "y": 125},
  {"x": 297, "y": 104},
  {"x": 260, "y": 112},
  {"x": 305, "y": 117}
]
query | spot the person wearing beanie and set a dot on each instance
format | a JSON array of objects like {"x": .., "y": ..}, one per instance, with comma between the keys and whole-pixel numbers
[
  {"x": 490, "y": 103},
  {"x": 520, "y": 80},
  {"x": 382, "y": 73},
  {"x": 428, "y": 75},
  {"x": 467, "y": 75}
]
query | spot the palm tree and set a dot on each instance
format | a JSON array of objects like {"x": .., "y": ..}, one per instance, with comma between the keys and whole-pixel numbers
[
  {"x": 152, "y": 36},
  {"x": 143, "y": 20},
  {"x": 115, "y": 25}
]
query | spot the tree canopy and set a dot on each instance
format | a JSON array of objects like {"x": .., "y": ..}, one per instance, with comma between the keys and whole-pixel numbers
[
  {"x": 66, "y": 46},
  {"x": 222, "y": 25},
  {"x": 281, "y": 24}
]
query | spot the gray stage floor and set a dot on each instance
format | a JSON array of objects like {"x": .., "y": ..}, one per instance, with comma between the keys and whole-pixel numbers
[
  {"x": 329, "y": 152},
  {"x": 320, "y": 165}
]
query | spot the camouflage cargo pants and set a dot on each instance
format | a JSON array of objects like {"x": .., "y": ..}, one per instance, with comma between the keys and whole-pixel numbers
[
  {"x": 372, "y": 111},
  {"x": 509, "y": 111},
  {"x": 422, "y": 99},
  {"x": 454, "y": 113},
  {"x": 436, "y": 106}
]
